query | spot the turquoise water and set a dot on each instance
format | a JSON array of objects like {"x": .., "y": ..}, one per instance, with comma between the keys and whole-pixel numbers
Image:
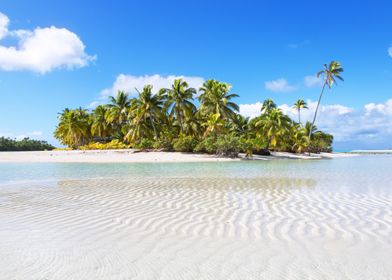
[
  {"x": 362, "y": 174},
  {"x": 280, "y": 219}
]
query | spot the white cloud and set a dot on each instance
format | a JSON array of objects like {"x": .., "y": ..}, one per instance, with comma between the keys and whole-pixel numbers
[
  {"x": 383, "y": 108},
  {"x": 42, "y": 49},
  {"x": 312, "y": 81},
  {"x": 369, "y": 127},
  {"x": 19, "y": 136},
  {"x": 279, "y": 85},
  {"x": 4, "y": 21},
  {"x": 251, "y": 110},
  {"x": 130, "y": 83},
  {"x": 390, "y": 51}
]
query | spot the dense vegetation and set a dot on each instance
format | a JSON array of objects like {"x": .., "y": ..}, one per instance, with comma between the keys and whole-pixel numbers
[
  {"x": 171, "y": 120},
  {"x": 26, "y": 144}
]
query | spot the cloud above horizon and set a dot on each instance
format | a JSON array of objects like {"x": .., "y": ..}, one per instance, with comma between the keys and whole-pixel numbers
[
  {"x": 371, "y": 125},
  {"x": 390, "y": 51},
  {"x": 32, "y": 134},
  {"x": 279, "y": 85},
  {"x": 41, "y": 50},
  {"x": 129, "y": 84}
]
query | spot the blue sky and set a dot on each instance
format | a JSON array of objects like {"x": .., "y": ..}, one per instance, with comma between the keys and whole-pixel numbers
[{"x": 57, "y": 54}]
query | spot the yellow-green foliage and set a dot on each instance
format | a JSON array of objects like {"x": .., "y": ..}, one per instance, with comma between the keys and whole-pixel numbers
[
  {"x": 63, "y": 149},
  {"x": 113, "y": 145}
]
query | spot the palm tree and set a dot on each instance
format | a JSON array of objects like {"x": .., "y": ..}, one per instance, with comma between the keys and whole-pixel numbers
[
  {"x": 100, "y": 127},
  {"x": 268, "y": 106},
  {"x": 300, "y": 104},
  {"x": 192, "y": 126},
  {"x": 118, "y": 108},
  {"x": 330, "y": 72},
  {"x": 216, "y": 99},
  {"x": 147, "y": 114},
  {"x": 214, "y": 124},
  {"x": 179, "y": 101},
  {"x": 274, "y": 125},
  {"x": 73, "y": 129},
  {"x": 299, "y": 136},
  {"x": 239, "y": 124}
]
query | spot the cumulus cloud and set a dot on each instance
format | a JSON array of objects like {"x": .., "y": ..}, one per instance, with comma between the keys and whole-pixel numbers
[
  {"x": 280, "y": 85},
  {"x": 129, "y": 84},
  {"x": 312, "y": 81},
  {"x": 368, "y": 127},
  {"x": 42, "y": 49},
  {"x": 383, "y": 108},
  {"x": 390, "y": 51}
]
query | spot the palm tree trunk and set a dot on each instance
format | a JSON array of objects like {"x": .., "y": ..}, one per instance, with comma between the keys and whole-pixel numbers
[
  {"x": 315, "y": 113},
  {"x": 268, "y": 143},
  {"x": 153, "y": 126},
  {"x": 299, "y": 115}
]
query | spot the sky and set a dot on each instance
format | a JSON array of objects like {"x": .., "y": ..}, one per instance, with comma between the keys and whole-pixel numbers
[{"x": 58, "y": 54}]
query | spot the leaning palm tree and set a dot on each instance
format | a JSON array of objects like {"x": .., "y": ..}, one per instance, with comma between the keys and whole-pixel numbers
[
  {"x": 268, "y": 106},
  {"x": 179, "y": 101},
  {"x": 298, "y": 105},
  {"x": 330, "y": 72}
]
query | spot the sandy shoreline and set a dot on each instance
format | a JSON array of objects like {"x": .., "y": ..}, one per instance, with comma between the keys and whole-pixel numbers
[
  {"x": 186, "y": 225},
  {"x": 132, "y": 156}
]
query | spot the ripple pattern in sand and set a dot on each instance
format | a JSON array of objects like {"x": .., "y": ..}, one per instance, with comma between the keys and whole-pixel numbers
[{"x": 193, "y": 228}]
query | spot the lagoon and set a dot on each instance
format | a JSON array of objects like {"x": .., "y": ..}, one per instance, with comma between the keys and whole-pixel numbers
[{"x": 278, "y": 219}]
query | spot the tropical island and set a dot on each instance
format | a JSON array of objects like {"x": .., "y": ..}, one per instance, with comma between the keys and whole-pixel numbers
[{"x": 172, "y": 119}]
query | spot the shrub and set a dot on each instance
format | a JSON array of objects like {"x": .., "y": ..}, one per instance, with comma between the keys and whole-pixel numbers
[
  {"x": 112, "y": 145},
  {"x": 321, "y": 142},
  {"x": 184, "y": 144},
  {"x": 228, "y": 145},
  {"x": 145, "y": 144},
  {"x": 207, "y": 145},
  {"x": 163, "y": 144}
]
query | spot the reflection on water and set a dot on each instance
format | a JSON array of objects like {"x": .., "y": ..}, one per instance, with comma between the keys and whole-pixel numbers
[{"x": 364, "y": 174}]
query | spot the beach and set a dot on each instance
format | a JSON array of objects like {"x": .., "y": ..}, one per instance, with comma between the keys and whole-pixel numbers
[
  {"x": 134, "y": 156},
  {"x": 277, "y": 219}
]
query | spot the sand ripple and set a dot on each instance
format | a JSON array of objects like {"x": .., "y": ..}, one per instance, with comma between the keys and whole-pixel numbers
[{"x": 187, "y": 228}]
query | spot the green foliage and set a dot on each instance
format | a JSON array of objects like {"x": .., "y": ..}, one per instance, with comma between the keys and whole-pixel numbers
[
  {"x": 163, "y": 144},
  {"x": 184, "y": 144},
  {"x": 321, "y": 142},
  {"x": 145, "y": 144},
  {"x": 224, "y": 145},
  {"x": 168, "y": 119},
  {"x": 26, "y": 144},
  {"x": 207, "y": 145},
  {"x": 228, "y": 145}
]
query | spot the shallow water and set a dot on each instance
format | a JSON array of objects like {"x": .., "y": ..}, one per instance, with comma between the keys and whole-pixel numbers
[{"x": 281, "y": 219}]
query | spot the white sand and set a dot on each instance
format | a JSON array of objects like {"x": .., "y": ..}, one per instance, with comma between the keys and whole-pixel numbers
[
  {"x": 98, "y": 156},
  {"x": 105, "y": 156},
  {"x": 182, "y": 228}
]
